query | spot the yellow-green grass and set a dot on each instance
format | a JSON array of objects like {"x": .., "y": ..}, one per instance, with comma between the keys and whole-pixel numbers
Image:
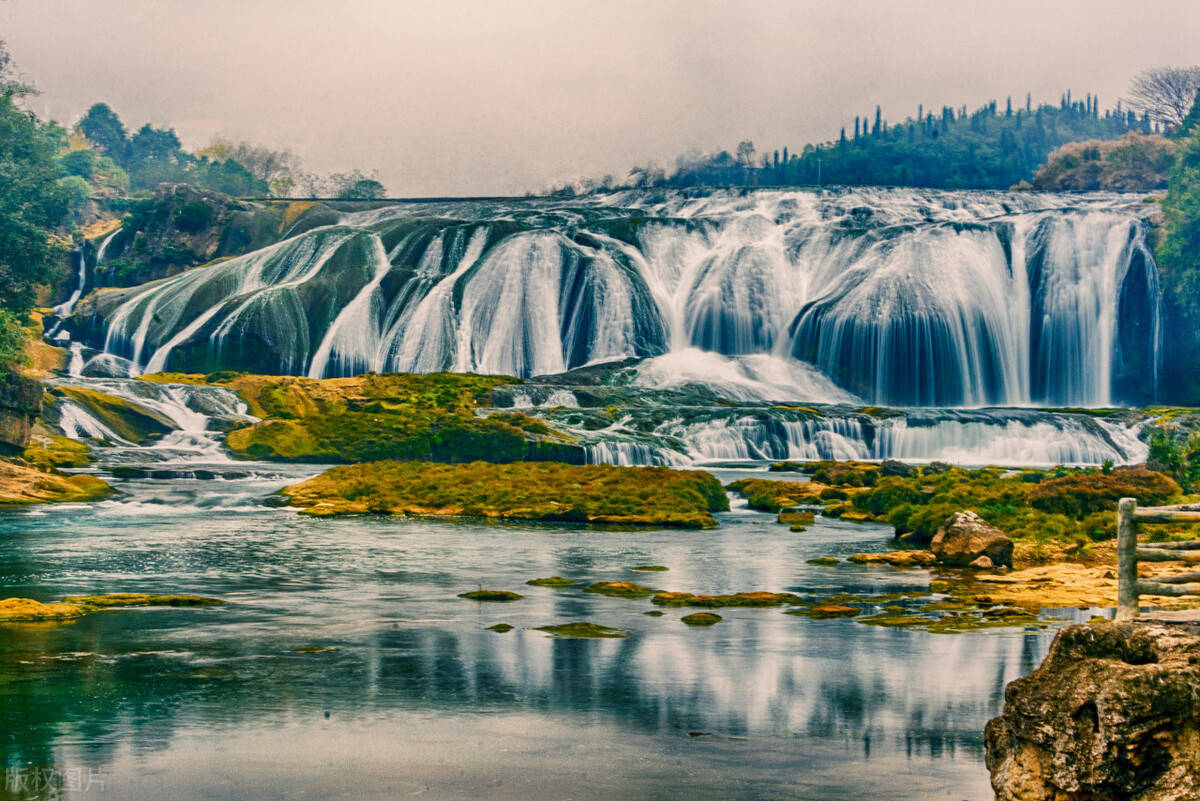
[{"x": 550, "y": 491}]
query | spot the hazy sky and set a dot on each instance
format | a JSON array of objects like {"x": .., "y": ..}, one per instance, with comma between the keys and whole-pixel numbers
[{"x": 499, "y": 97}]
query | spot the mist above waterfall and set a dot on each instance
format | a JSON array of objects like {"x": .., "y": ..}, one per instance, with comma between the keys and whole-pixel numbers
[{"x": 900, "y": 297}]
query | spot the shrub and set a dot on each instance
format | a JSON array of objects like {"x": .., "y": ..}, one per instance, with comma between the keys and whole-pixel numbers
[
  {"x": 193, "y": 217},
  {"x": 1084, "y": 494},
  {"x": 13, "y": 338}
]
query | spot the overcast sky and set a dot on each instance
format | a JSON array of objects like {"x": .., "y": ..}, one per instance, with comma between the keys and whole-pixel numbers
[{"x": 499, "y": 97}]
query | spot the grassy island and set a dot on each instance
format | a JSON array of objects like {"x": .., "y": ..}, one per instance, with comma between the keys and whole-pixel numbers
[{"x": 550, "y": 491}]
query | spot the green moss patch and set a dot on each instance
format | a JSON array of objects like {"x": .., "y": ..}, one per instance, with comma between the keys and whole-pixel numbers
[
  {"x": 701, "y": 619},
  {"x": 490, "y": 595},
  {"x": 651, "y": 568},
  {"x": 552, "y": 581},
  {"x": 27, "y": 609},
  {"x": 601, "y": 494},
  {"x": 429, "y": 417},
  {"x": 826, "y": 611},
  {"x": 582, "y": 630},
  {"x": 500, "y": 628},
  {"x": 620, "y": 589},
  {"x": 760, "y": 599},
  {"x": 823, "y": 561}
]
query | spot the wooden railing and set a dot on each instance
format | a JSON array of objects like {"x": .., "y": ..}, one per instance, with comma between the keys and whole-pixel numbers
[{"x": 1129, "y": 586}]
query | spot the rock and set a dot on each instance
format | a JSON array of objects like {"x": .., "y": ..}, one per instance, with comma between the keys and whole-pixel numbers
[
  {"x": 895, "y": 558},
  {"x": 20, "y": 403},
  {"x": 965, "y": 536},
  {"x": 1113, "y": 713},
  {"x": 982, "y": 563},
  {"x": 701, "y": 619},
  {"x": 491, "y": 595}
]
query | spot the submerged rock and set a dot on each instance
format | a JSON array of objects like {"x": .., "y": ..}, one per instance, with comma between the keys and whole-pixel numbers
[
  {"x": 551, "y": 581},
  {"x": 716, "y": 601},
  {"x": 583, "y": 630},
  {"x": 701, "y": 619},
  {"x": 620, "y": 589},
  {"x": 490, "y": 595},
  {"x": 965, "y": 536},
  {"x": 1112, "y": 714}
]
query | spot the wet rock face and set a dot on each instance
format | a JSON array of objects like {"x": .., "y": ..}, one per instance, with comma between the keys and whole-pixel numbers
[
  {"x": 965, "y": 536},
  {"x": 20, "y": 403},
  {"x": 1112, "y": 714}
]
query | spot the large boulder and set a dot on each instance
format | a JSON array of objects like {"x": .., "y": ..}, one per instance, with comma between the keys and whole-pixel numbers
[
  {"x": 20, "y": 403},
  {"x": 1112, "y": 714},
  {"x": 965, "y": 536}
]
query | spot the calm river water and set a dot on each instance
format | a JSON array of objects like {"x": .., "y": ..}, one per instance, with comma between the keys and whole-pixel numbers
[{"x": 413, "y": 696}]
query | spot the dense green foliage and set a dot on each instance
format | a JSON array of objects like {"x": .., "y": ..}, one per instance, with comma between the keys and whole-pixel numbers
[
  {"x": 1178, "y": 253},
  {"x": 1133, "y": 163},
  {"x": 32, "y": 205},
  {"x": 1061, "y": 505},
  {"x": 653, "y": 496},
  {"x": 155, "y": 155},
  {"x": 1176, "y": 449},
  {"x": 988, "y": 149}
]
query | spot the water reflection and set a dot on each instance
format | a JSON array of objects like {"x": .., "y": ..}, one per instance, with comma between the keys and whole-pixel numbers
[{"x": 773, "y": 695}]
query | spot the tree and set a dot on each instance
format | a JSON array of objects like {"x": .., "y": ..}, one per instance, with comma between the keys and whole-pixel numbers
[
  {"x": 356, "y": 186},
  {"x": 279, "y": 169},
  {"x": 154, "y": 144},
  {"x": 32, "y": 206},
  {"x": 104, "y": 128},
  {"x": 1164, "y": 94},
  {"x": 745, "y": 153}
]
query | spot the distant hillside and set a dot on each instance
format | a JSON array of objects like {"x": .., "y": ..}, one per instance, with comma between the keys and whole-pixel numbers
[{"x": 992, "y": 148}]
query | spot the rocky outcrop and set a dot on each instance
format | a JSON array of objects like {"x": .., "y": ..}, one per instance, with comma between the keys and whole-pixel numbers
[
  {"x": 1112, "y": 714},
  {"x": 20, "y": 403},
  {"x": 964, "y": 537}
]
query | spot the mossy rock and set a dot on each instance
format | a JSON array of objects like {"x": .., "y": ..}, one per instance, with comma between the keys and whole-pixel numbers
[
  {"x": 701, "y": 619},
  {"x": 491, "y": 595},
  {"x": 826, "y": 611},
  {"x": 52, "y": 451},
  {"x": 651, "y": 568},
  {"x": 824, "y": 561},
  {"x": 796, "y": 518},
  {"x": 128, "y": 599},
  {"x": 620, "y": 589},
  {"x": 27, "y": 609},
  {"x": 582, "y": 630},
  {"x": 654, "y": 613},
  {"x": 129, "y": 421},
  {"x": 22, "y": 484},
  {"x": 500, "y": 628},
  {"x": 750, "y": 599},
  {"x": 311, "y": 649},
  {"x": 552, "y": 581},
  {"x": 549, "y": 491}
]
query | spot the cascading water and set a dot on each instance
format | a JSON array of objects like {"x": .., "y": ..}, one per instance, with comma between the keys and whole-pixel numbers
[
  {"x": 898, "y": 297},
  {"x": 65, "y": 308}
]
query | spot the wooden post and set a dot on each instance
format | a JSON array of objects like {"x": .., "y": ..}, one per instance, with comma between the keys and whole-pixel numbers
[{"x": 1127, "y": 572}]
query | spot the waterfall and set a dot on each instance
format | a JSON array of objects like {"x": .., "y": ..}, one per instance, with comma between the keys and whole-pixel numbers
[
  {"x": 1011, "y": 437},
  {"x": 895, "y": 297},
  {"x": 65, "y": 308}
]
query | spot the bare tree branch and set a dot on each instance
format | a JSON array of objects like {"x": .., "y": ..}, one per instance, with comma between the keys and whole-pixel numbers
[{"x": 1166, "y": 94}]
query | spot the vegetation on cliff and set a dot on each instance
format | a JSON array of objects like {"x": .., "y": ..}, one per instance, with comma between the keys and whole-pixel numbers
[
  {"x": 1133, "y": 163},
  {"x": 602, "y": 494},
  {"x": 1178, "y": 254}
]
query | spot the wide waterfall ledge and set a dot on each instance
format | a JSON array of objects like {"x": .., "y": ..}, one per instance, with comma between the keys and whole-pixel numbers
[{"x": 897, "y": 297}]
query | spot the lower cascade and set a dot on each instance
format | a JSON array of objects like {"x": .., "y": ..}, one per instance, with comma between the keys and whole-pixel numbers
[{"x": 891, "y": 297}]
